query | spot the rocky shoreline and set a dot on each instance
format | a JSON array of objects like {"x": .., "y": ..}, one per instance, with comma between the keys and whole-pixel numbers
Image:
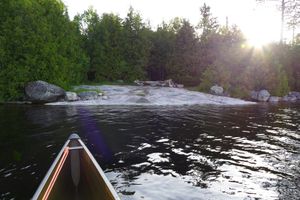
[
  {"x": 264, "y": 96},
  {"x": 148, "y": 95},
  {"x": 144, "y": 93}
]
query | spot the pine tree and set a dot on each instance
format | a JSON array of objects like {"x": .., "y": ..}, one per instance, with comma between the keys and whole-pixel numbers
[{"x": 184, "y": 62}]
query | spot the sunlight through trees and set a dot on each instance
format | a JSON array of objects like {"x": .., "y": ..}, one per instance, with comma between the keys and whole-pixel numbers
[{"x": 38, "y": 41}]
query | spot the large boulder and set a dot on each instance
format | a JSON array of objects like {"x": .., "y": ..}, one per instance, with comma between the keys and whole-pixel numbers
[
  {"x": 89, "y": 95},
  {"x": 294, "y": 95},
  {"x": 43, "y": 92},
  {"x": 262, "y": 95},
  {"x": 289, "y": 98},
  {"x": 170, "y": 83},
  {"x": 216, "y": 90},
  {"x": 71, "y": 96}
]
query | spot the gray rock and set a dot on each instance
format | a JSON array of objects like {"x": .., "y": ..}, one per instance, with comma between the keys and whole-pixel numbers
[
  {"x": 105, "y": 97},
  {"x": 266, "y": 184},
  {"x": 43, "y": 92},
  {"x": 165, "y": 83},
  {"x": 289, "y": 98},
  {"x": 154, "y": 84},
  {"x": 263, "y": 95},
  {"x": 90, "y": 95},
  {"x": 170, "y": 83},
  {"x": 142, "y": 100},
  {"x": 216, "y": 90},
  {"x": 71, "y": 96},
  {"x": 294, "y": 94},
  {"x": 274, "y": 99},
  {"x": 254, "y": 95},
  {"x": 139, "y": 83},
  {"x": 141, "y": 92},
  {"x": 285, "y": 98}
]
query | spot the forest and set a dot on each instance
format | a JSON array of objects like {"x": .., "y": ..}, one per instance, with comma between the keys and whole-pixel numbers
[{"x": 39, "y": 41}]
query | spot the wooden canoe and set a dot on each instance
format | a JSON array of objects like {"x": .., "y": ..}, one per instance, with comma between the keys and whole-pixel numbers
[{"x": 75, "y": 174}]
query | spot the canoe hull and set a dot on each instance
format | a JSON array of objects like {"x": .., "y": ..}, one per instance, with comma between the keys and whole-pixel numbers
[{"x": 75, "y": 174}]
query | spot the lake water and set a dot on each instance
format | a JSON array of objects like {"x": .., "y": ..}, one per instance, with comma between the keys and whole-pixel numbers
[{"x": 153, "y": 153}]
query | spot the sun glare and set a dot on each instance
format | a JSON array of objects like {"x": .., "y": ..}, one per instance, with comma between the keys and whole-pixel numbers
[
  {"x": 256, "y": 43},
  {"x": 262, "y": 28}
]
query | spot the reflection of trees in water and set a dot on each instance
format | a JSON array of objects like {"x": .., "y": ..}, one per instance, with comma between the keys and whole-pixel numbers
[
  {"x": 13, "y": 134},
  {"x": 29, "y": 138},
  {"x": 50, "y": 115}
]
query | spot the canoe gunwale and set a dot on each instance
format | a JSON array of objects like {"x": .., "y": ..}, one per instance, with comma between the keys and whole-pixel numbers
[
  {"x": 101, "y": 172},
  {"x": 49, "y": 172},
  {"x": 75, "y": 148},
  {"x": 81, "y": 146}
]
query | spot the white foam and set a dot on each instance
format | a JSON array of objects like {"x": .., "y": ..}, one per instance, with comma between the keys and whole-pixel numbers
[{"x": 133, "y": 95}]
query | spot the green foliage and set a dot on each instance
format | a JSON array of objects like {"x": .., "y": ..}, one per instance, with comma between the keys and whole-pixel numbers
[
  {"x": 160, "y": 53},
  {"x": 208, "y": 24},
  {"x": 136, "y": 46},
  {"x": 208, "y": 28},
  {"x": 267, "y": 71},
  {"x": 184, "y": 61},
  {"x": 292, "y": 66},
  {"x": 38, "y": 42},
  {"x": 79, "y": 90},
  {"x": 118, "y": 49},
  {"x": 229, "y": 63},
  {"x": 239, "y": 91},
  {"x": 282, "y": 86},
  {"x": 208, "y": 79}
]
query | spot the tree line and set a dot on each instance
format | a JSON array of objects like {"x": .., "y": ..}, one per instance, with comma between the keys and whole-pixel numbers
[{"x": 38, "y": 41}]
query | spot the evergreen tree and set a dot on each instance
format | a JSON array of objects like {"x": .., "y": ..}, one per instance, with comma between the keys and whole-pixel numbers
[
  {"x": 136, "y": 46},
  {"x": 113, "y": 63},
  {"x": 184, "y": 62},
  {"x": 208, "y": 26},
  {"x": 89, "y": 23},
  {"x": 161, "y": 51},
  {"x": 38, "y": 41},
  {"x": 293, "y": 67}
]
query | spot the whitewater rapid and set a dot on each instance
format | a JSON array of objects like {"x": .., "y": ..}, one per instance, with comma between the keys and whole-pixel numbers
[{"x": 147, "y": 95}]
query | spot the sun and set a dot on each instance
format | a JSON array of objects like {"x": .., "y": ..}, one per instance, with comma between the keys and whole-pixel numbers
[
  {"x": 258, "y": 44},
  {"x": 257, "y": 41},
  {"x": 263, "y": 27},
  {"x": 260, "y": 35}
]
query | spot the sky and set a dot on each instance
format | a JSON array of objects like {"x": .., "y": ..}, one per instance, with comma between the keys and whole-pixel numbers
[{"x": 259, "y": 22}]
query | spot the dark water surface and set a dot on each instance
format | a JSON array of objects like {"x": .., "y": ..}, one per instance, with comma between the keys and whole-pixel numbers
[{"x": 195, "y": 152}]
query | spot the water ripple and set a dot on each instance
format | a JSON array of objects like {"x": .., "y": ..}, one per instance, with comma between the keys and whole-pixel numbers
[{"x": 201, "y": 152}]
